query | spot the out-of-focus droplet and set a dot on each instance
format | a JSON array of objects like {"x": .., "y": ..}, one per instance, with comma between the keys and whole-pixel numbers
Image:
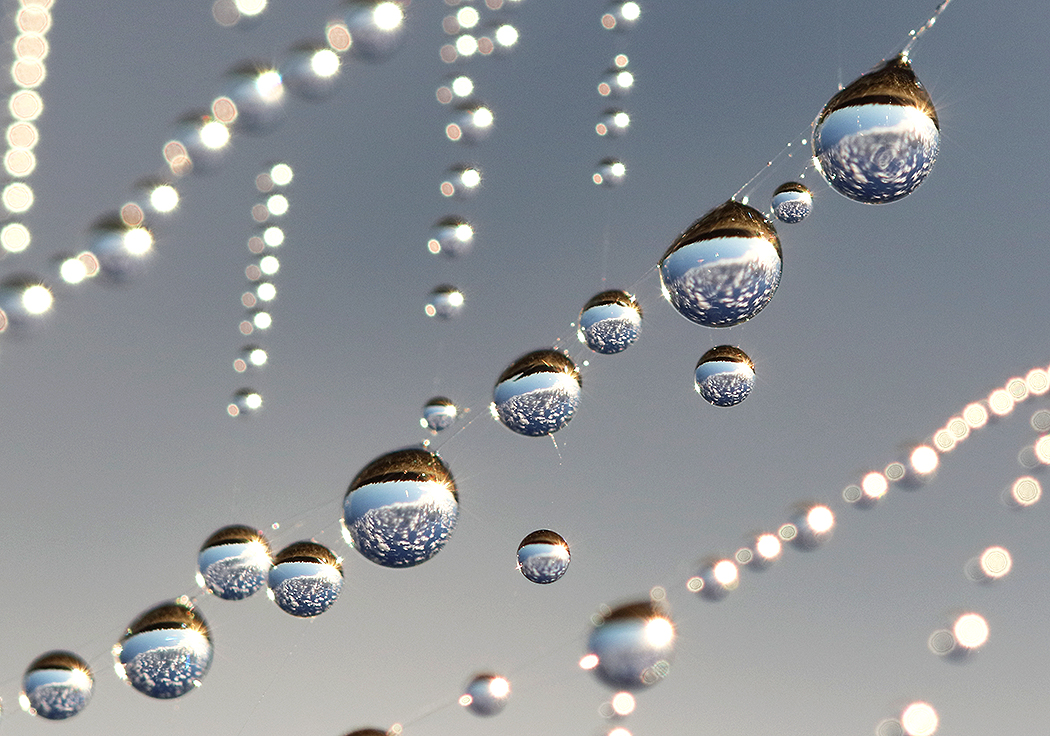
[
  {"x": 633, "y": 645},
  {"x": 463, "y": 180},
  {"x": 474, "y": 122},
  {"x": 724, "y": 376},
  {"x": 622, "y": 15},
  {"x": 611, "y": 172},
  {"x": 716, "y": 579},
  {"x": 792, "y": 202},
  {"x": 311, "y": 70},
  {"x": 376, "y": 28},
  {"x": 486, "y": 695},
  {"x": 452, "y": 237},
  {"x": 56, "y": 685},
  {"x": 203, "y": 140},
  {"x": 538, "y": 393},
  {"x": 610, "y": 322},
  {"x": 1023, "y": 492},
  {"x": 445, "y": 302},
  {"x": 123, "y": 252},
  {"x": 257, "y": 93},
  {"x": 439, "y": 413},
  {"x": 760, "y": 554},
  {"x": 161, "y": 195},
  {"x": 614, "y": 123},
  {"x": 919, "y": 719},
  {"x": 234, "y": 562},
  {"x": 305, "y": 579},
  {"x": 876, "y": 140},
  {"x": 368, "y": 732},
  {"x": 994, "y": 563},
  {"x": 245, "y": 403},
  {"x": 165, "y": 652},
  {"x": 24, "y": 304},
  {"x": 813, "y": 525},
  {"x": 402, "y": 508},
  {"x": 616, "y": 82},
  {"x": 725, "y": 268},
  {"x": 543, "y": 556}
]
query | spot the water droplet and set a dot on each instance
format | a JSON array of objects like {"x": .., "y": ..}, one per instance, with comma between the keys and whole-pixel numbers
[
  {"x": 616, "y": 82},
  {"x": 200, "y": 144},
  {"x": 614, "y": 123},
  {"x": 876, "y": 140},
  {"x": 1023, "y": 492},
  {"x": 725, "y": 268},
  {"x": 452, "y": 236},
  {"x": 445, "y": 302},
  {"x": 792, "y": 202},
  {"x": 24, "y": 303},
  {"x": 305, "y": 579},
  {"x": 165, "y": 652},
  {"x": 439, "y": 413},
  {"x": 122, "y": 253},
  {"x": 611, "y": 172},
  {"x": 992, "y": 564},
  {"x": 402, "y": 508},
  {"x": 256, "y": 91},
  {"x": 919, "y": 719},
  {"x": 633, "y": 645},
  {"x": 311, "y": 70},
  {"x": 622, "y": 15},
  {"x": 376, "y": 28},
  {"x": 538, "y": 393},
  {"x": 724, "y": 376},
  {"x": 486, "y": 695},
  {"x": 610, "y": 322},
  {"x": 812, "y": 525},
  {"x": 245, "y": 403},
  {"x": 56, "y": 685},
  {"x": 543, "y": 556},
  {"x": 474, "y": 121},
  {"x": 716, "y": 579},
  {"x": 463, "y": 181},
  {"x": 234, "y": 562}
]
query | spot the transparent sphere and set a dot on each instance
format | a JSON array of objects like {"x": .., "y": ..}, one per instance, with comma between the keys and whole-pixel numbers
[
  {"x": 716, "y": 579},
  {"x": 617, "y": 81},
  {"x": 876, "y": 140},
  {"x": 376, "y": 27},
  {"x": 473, "y": 123},
  {"x": 123, "y": 253},
  {"x": 24, "y": 304},
  {"x": 538, "y": 393},
  {"x": 452, "y": 237},
  {"x": 632, "y": 646},
  {"x": 792, "y": 202},
  {"x": 438, "y": 414},
  {"x": 257, "y": 93},
  {"x": 543, "y": 556},
  {"x": 56, "y": 685},
  {"x": 486, "y": 695},
  {"x": 724, "y": 376},
  {"x": 614, "y": 123},
  {"x": 610, "y": 322},
  {"x": 445, "y": 302},
  {"x": 165, "y": 652},
  {"x": 462, "y": 180},
  {"x": 811, "y": 526},
  {"x": 305, "y": 579},
  {"x": 234, "y": 562},
  {"x": 311, "y": 71},
  {"x": 200, "y": 144},
  {"x": 725, "y": 268},
  {"x": 611, "y": 172},
  {"x": 245, "y": 402},
  {"x": 622, "y": 15},
  {"x": 402, "y": 508}
]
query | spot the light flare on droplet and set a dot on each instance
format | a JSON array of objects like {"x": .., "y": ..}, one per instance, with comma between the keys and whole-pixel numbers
[{"x": 919, "y": 719}]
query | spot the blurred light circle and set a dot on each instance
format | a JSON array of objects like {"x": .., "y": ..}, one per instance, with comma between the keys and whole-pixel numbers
[
  {"x": 14, "y": 236},
  {"x": 17, "y": 197},
  {"x": 919, "y": 719}
]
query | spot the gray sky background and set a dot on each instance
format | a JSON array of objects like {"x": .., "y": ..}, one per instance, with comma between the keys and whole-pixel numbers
[{"x": 118, "y": 459}]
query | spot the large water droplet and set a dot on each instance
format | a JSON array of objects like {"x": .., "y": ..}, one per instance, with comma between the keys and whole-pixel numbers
[
  {"x": 486, "y": 695},
  {"x": 792, "y": 202},
  {"x": 538, "y": 393},
  {"x": 543, "y": 556},
  {"x": 401, "y": 509},
  {"x": 376, "y": 27},
  {"x": 165, "y": 652},
  {"x": 610, "y": 322},
  {"x": 234, "y": 562},
  {"x": 305, "y": 579},
  {"x": 725, "y": 376},
  {"x": 56, "y": 685},
  {"x": 725, "y": 268},
  {"x": 876, "y": 140},
  {"x": 633, "y": 645}
]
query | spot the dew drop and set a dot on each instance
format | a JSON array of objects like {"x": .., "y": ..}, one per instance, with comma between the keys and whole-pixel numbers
[
  {"x": 452, "y": 237},
  {"x": 543, "y": 556},
  {"x": 305, "y": 579},
  {"x": 792, "y": 202},
  {"x": 445, "y": 302},
  {"x": 725, "y": 268},
  {"x": 256, "y": 92},
  {"x": 632, "y": 646},
  {"x": 165, "y": 652},
  {"x": 56, "y": 686},
  {"x": 486, "y": 695},
  {"x": 311, "y": 71},
  {"x": 234, "y": 562},
  {"x": 402, "y": 508},
  {"x": 724, "y": 376},
  {"x": 438, "y": 414},
  {"x": 376, "y": 28},
  {"x": 876, "y": 140},
  {"x": 610, "y": 322},
  {"x": 538, "y": 393}
]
